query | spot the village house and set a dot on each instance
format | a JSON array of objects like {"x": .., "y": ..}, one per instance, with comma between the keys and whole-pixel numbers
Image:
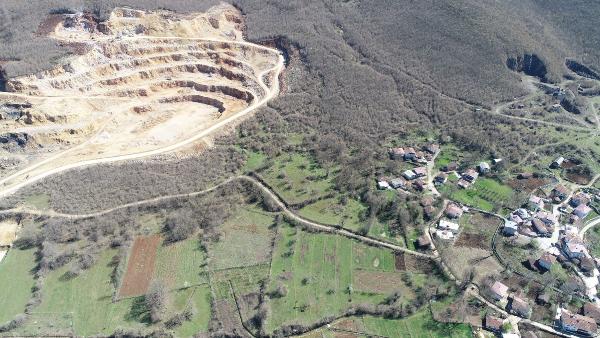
[
  {"x": 525, "y": 176},
  {"x": 493, "y": 323},
  {"x": 423, "y": 242},
  {"x": 447, "y": 225},
  {"x": 409, "y": 175},
  {"x": 463, "y": 183},
  {"x": 383, "y": 185},
  {"x": 586, "y": 265},
  {"x": 470, "y": 175},
  {"x": 496, "y": 161},
  {"x": 409, "y": 154},
  {"x": 519, "y": 307},
  {"x": 429, "y": 212},
  {"x": 396, "y": 153},
  {"x": 541, "y": 228},
  {"x": 432, "y": 148},
  {"x": 522, "y": 213},
  {"x": 483, "y": 168},
  {"x": 573, "y": 246},
  {"x": 557, "y": 163},
  {"x": 592, "y": 310},
  {"x": 499, "y": 291},
  {"x": 444, "y": 234},
  {"x": 419, "y": 185},
  {"x": 559, "y": 193},
  {"x": 546, "y": 261},
  {"x": 574, "y": 219},
  {"x": 576, "y": 323},
  {"x": 397, "y": 183},
  {"x": 440, "y": 178},
  {"x": 579, "y": 199},
  {"x": 582, "y": 211},
  {"x": 453, "y": 211},
  {"x": 535, "y": 203},
  {"x": 420, "y": 171},
  {"x": 546, "y": 217},
  {"x": 420, "y": 157},
  {"x": 426, "y": 201},
  {"x": 510, "y": 228},
  {"x": 516, "y": 218},
  {"x": 452, "y": 166}
]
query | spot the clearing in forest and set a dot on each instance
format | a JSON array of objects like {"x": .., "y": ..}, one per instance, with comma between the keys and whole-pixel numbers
[{"x": 140, "y": 266}]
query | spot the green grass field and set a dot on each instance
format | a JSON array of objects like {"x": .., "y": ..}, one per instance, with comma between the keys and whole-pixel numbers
[
  {"x": 331, "y": 211},
  {"x": 16, "y": 281},
  {"x": 83, "y": 305},
  {"x": 297, "y": 178},
  {"x": 245, "y": 240},
  {"x": 317, "y": 270},
  {"x": 181, "y": 264},
  {"x": 199, "y": 301},
  {"x": 421, "y": 324},
  {"x": 88, "y": 298},
  {"x": 485, "y": 194}
]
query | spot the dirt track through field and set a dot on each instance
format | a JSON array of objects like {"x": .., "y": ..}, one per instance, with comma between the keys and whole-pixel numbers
[{"x": 140, "y": 266}]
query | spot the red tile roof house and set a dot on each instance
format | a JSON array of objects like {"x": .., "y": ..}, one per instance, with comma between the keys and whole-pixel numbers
[
  {"x": 535, "y": 203},
  {"x": 396, "y": 153},
  {"x": 592, "y": 310},
  {"x": 452, "y": 166},
  {"x": 493, "y": 323},
  {"x": 546, "y": 217},
  {"x": 432, "y": 148},
  {"x": 520, "y": 307},
  {"x": 420, "y": 171},
  {"x": 579, "y": 199},
  {"x": 575, "y": 323},
  {"x": 541, "y": 228},
  {"x": 546, "y": 261},
  {"x": 453, "y": 211},
  {"x": 582, "y": 211},
  {"x": 499, "y": 291},
  {"x": 423, "y": 242},
  {"x": 419, "y": 185},
  {"x": 560, "y": 192}
]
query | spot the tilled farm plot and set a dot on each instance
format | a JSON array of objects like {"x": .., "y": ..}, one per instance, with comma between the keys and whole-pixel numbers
[{"x": 140, "y": 267}]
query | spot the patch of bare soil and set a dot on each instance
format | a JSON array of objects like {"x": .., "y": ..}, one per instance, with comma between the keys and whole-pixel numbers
[
  {"x": 377, "y": 281},
  {"x": 529, "y": 184},
  {"x": 471, "y": 240},
  {"x": 140, "y": 266},
  {"x": 399, "y": 262}
]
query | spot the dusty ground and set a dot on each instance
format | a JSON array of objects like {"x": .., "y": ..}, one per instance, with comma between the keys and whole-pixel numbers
[
  {"x": 8, "y": 232},
  {"x": 146, "y": 83},
  {"x": 140, "y": 266}
]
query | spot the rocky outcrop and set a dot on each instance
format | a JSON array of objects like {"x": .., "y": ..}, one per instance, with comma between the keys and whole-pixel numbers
[
  {"x": 10, "y": 141},
  {"x": 529, "y": 64},
  {"x": 582, "y": 70}
]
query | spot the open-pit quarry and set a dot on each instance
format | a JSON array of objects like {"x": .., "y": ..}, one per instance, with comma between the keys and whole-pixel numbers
[{"x": 138, "y": 84}]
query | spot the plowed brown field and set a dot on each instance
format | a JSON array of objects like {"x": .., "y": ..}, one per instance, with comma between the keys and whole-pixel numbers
[{"x": 140, "y": 266}]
